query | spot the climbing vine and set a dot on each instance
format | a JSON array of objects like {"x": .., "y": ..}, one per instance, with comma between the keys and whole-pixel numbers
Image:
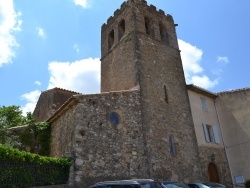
[{"x": 36, "y": 136}]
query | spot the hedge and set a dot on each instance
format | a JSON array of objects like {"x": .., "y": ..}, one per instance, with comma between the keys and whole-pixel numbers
[
  {"x": 23, "y": 169},
  {"x": 247, "y": 184}
]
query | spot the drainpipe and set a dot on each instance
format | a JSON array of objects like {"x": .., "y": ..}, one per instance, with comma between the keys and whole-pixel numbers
[{"x": 230, "y": 169}]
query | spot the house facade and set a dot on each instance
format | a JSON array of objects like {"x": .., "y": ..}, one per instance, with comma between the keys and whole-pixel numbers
[
  {"x": 222, "y": 130},
  {"x": 234, "y": 113},
  {"x": 214, "y": 159}
]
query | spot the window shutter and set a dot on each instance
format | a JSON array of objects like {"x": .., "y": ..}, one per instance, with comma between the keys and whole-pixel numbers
[
  {"x": 206, "y": 132},
  {"x": 216, "y": 135}
]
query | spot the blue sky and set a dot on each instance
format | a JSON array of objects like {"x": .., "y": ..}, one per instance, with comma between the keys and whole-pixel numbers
[{"x": 55, "y": 43}]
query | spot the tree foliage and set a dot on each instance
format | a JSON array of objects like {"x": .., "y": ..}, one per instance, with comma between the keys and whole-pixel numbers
[
  {"x": 11, "y": 116},
  {"x": 36, "y": 135}
]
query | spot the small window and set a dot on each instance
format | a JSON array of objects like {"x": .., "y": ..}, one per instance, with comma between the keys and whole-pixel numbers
[
  {"x": 121, "y": 29},
  {"x": 239, "y": 179},
  {"x": 204, "y": 104},
  {"x": 111, "y": 39},
  {"x": 211, "y": 133},
  {"x": 149, "y": 27},
  {"x": 163, "y": 33},
  {"x": 172, "y": 146},
  {"x": 166, "y": 93}
]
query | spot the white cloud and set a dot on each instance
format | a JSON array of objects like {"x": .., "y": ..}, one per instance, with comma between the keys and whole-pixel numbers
[
  {"x": 191, "y": 58},
  {"x": 76, "y": 47},
  {"x": 38, "y": 83},
  {"x": 31, "y": 99},
  {"x": 222, "y": 59},
  {"x": 40, "y": 32},
  {"x": 82, "y": 76},
  {"x": 82, "y": 3},
  {"x": 9, "y": 24},
  {"x": 217, "y": 72},
  {"x": 204, "y": 81}
]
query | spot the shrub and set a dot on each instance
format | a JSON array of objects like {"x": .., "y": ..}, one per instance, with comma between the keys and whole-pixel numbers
[
  {"x": 23, "y": 169},
  {"x": 247, "y": 184}
]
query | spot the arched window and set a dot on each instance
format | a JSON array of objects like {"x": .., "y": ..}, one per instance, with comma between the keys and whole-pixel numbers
[
  {"x": 163, "y": 33},
  {"x": 172, "y": 146},
  {"x": 111, "y": 39},
  {"x": 121, "y": 29},
  {"x": 149, "y": 27}
]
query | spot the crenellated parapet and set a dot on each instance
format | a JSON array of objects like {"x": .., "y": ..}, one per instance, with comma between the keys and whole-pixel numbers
[
  {"x": 134, "y": 3},
  {"x": 138, "y": 16}
]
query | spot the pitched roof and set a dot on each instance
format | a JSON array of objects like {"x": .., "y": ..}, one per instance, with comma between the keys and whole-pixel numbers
[
  {"x": 60, "y": 89},
  {"x": 202, "y": 91},
  {"x": 49, "y": 101},
  {"x": 234, "y": 91},
  {"x": 69, "y": 103}
]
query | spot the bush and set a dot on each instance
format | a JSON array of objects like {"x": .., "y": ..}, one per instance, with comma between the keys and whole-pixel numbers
[
  {"x": 23, "y": 169},
  {"x": 247, "y": 184}
]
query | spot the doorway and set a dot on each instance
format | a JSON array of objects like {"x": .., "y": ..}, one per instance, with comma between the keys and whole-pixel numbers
[{"x": 213, "y": 173}]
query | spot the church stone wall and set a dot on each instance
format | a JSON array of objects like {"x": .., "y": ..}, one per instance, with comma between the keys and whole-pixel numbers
[
  {"x": 102, "y": 150},
  {"x": 62, "y": 130}
]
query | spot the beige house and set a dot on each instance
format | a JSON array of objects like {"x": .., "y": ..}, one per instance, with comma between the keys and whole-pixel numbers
[
  {"x": 234, "y": 113},
  {"x": 208, "y": 132},
  {"x": 221, "y": 124}
]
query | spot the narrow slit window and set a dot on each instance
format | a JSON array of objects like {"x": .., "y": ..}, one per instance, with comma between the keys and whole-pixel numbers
[
  {"x": 147, "y": 25},
  {"x": 172, "y": 146},
  {"x": 111, "y": 39},
  {"x": 166, "y": 94},
  {"x": 121, "y": 29}
]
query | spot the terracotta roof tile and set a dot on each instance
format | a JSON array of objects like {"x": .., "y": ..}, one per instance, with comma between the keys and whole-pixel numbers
[
  {"x": 235, "y": 90},
  {"x": 200, "y": 90},
  {"x": 61, "y": 89}
]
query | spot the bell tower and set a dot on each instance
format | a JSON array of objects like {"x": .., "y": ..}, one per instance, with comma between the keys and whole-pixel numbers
[{"x": 140, "y": 51}]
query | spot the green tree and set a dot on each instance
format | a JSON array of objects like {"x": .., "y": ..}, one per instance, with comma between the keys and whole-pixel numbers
[
  {"x": 36, "y": 135},
  {"x": 11, "y": 116}
]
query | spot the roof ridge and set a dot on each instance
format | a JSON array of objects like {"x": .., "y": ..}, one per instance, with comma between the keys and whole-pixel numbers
[
  {"x": 198, "y": 87},
  {"x": 234, "y": 90},
  {"x": 57, "y": 88}
]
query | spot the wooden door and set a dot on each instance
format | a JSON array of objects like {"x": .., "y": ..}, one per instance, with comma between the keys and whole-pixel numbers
[{"x": 213, "y": 173}]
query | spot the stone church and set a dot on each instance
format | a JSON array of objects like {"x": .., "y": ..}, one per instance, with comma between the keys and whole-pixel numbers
[{"x": 141, "y": 124}]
